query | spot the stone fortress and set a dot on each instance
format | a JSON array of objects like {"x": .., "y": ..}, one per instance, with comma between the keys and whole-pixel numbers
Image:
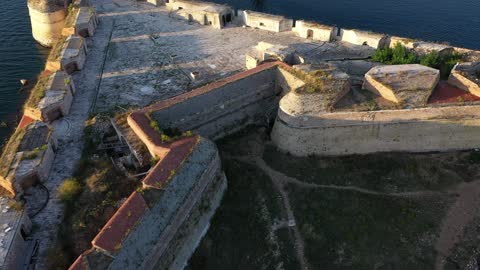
[{"x": 315, "y": 107}]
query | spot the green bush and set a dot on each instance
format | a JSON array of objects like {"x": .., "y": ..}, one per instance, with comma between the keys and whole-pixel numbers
[
  {"x": 69, "y": 190},
  {"x": 444, "y": 63},
  {"x": 400, "y": 55},
  {"x": 396, "y": 56}
]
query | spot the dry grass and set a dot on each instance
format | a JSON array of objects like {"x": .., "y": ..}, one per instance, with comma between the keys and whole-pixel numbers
[
  {"x": 10, "y": 150},
  {"x": 38, "y": 92}
]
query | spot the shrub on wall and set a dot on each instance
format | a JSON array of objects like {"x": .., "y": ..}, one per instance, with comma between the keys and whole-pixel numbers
[
  {"x": 396, "y": 56},
  {"x": 400, "y": 55},
  {"x": 444, "y": 63}
]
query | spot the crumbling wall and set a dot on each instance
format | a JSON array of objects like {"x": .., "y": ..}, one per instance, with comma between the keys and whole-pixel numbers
[{"x": 411, "y": 130}]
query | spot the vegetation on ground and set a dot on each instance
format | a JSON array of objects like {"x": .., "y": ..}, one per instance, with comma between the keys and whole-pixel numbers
[
  {"x": 38, "y": 92},
  {"x": 72, "y": 16},
  {"x": 399, "y": 54},
  {"x": 351, "y": 230},
  {"x": 241, "y": 235},
  {"x": 34, "y": 153},
  {"x": 56, "y": 50},
  {"x": 467, "y": 251},
  {"x": 69, "y": 190},
  {"x": 10, "y": 149},
  {"x": 87, "y": 210},
  {"x": 384, "y": 172}
]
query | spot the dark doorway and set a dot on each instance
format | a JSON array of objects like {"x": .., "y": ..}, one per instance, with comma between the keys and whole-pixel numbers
[
  {"x": 310, "y": 34},
  {"x": 224, "y": 20},
  {"x": 229, "y": 17}
]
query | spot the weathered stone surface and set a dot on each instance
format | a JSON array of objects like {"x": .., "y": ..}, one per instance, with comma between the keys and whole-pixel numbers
[
  {"x": 365, "y": 38},
  {"x": 411, "y": 85},
  {"x": 466, "y": 76},
  {"x": 27, "y": 158},
  {"x": 315, "y": 31},
  {"x": 58, "y": 91},
  {"x": 423, "y": 48},
  {"x": 324, "y": 86}
]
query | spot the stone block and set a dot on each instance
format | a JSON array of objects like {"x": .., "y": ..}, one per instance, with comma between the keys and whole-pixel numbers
[
  {"x": 58, "y": 90},
  {"x": 466, "y": 76},
  {"x": 410, "y": 85}
]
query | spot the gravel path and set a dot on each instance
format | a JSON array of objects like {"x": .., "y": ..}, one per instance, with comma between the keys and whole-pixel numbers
[{"x": 69, "y": 132}]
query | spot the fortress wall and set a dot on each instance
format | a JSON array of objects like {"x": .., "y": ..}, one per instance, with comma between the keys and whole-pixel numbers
[
  {"x": 320, "y": 32},
  {"x": 359, "y": 37},
  {"x": 47, "y": 26},
  {"x": 412, "y": 130},
  {"x": 225, "y": 109},
  {"x": 171, "y": 222},
  {"x": 191, "y": 232}
]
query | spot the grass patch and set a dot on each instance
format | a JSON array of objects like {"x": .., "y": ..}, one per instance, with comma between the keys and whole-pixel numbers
[
  {"x": 467, "y": 250},
  {"x": 72, "y": 16},
  {"x": 69, "y": 190},
  {"x": 384, "y": 172},
  {"x": 57, "y": 48},
  {"x": 38, "y": 92},
  {"x": 10, "y": 149},
  {"x": 350, "y": 230},
  {"x": 35, "y": 152},
  {"x": 239, "y": 232},
  {"x": 90, "y": 198}
]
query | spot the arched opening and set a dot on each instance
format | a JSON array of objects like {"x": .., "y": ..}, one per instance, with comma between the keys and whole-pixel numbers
[
  {"x": 365, "y": 43},
  {"x": 310, "y": 34}
]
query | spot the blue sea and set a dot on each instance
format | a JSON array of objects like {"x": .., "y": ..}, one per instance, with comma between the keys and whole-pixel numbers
[
  {"x": 453, "y": 21},
  {"x": 20, "y": 58}
]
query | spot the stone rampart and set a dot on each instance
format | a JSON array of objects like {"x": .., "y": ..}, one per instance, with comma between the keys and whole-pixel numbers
[
  {"x": 156, "y": 227},
  {"x": 412, "y": 130},
  {"x": 219, "y": 108}
]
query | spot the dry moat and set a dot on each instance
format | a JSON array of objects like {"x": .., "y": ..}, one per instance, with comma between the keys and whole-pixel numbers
[{"x": 377, "y": 211}]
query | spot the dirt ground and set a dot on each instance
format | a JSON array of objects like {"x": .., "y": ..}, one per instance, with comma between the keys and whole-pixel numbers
[{"x": 379, "y": 211}]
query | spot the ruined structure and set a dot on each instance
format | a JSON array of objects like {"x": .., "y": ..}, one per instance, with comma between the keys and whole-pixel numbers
[
  {"x": 158, "y": 225},
  {"x": 273, "y": 23},
  {"x": 466, "y": 76},
  {"x": 365, "y": 38},
  {"x": 15, "y": 248},
  {"x": 27, "y": 157},
  {"x": 68, "y": 54},
  {"x": 204, "y": 13},
  {"x": 47, "y": 19},
  {"x": 315, "y": 31},
  {"x": 81, "y": 21},
  {"x": 51, "y": 97}
]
